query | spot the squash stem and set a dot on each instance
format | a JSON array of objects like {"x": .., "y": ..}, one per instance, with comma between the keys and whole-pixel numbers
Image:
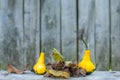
[{"x": 85, "y": 44}]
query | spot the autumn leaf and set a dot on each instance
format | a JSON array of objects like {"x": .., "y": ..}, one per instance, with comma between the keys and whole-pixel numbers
[
  {"x": 12, "y": 69},
  {"x": 59, "y": 74},
  {"x": 71, "y": 68}
]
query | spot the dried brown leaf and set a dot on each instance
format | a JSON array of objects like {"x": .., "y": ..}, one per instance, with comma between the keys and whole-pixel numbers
[
  {"x": 59, "y": 74},
  {"x": 12, "y": 69},
  {"x": 71, "y": 68},
  {"x": 47, "y": 74},
  {"x": 49, "y": 66},
  {"x": 82, "y": 72}
]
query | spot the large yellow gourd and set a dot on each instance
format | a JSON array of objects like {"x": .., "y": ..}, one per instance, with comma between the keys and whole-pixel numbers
[
  {"x": 39, "y": 67},
  {"x": 86, "y": 63}
]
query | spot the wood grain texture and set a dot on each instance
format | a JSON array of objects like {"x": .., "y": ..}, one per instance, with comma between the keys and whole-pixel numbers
[
  {"x": 29, "y": 26},
  {"x": 86, "y": 24},
  {"x": 30, "y": 31},
  {"x": 115, "y": 33},
  {"x": 102, "y": 34},
  {"x": 68, "y": 29},
  {"x": 97, "y": 75},
  {"x": 11, "y": 33},
  {"x": 37, "y": 36},
  {"x": 50, "y": 27}
]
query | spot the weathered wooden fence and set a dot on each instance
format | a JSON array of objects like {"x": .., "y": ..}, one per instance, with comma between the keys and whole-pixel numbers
[{"x": 28, "y": 26}]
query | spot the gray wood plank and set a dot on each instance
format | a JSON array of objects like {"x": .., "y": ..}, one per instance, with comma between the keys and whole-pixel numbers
[
  {"x": 115, "y": 33},
  {"x": 37, "y": 40},
  {"x": 97, "y": 75},
  {"x": 1, "y": 35},
  {"x": 18, "y": 13},
  {"x": 50, "y": 27},
  {"x": 11, "y": 26},
  {"x": 86, "y": 24},
  {"x": 31, "y": 29},
  {"x": 102, "y": 34},
  {"x": 68, "y": 29}
]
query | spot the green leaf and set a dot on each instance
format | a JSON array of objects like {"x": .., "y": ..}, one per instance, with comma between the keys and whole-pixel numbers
[{"x": 57, "y": 56}]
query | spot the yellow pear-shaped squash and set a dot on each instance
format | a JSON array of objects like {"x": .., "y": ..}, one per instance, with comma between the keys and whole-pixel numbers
[
  {"x": 39, "y": 67},
  {"x": 86, "y": 63}
]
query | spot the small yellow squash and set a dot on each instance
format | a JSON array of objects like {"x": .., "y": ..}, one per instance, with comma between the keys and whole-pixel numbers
[
  {"x": 86, "y": 63},
  {"x": 39, "y": 67}
]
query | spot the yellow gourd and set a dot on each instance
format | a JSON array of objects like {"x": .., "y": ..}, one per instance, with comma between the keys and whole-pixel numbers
[
  {"x": 86, "y": 63},
  {"x": 39, "y": 67}
]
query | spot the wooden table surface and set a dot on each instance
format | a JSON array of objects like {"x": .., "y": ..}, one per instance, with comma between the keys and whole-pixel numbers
[{"x": 97, "y": 75}]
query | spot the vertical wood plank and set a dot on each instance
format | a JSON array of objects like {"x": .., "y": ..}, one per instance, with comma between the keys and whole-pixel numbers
[
  {"x": 115, "y": 33},
  {"x": 30, "y": 30},
  {"x": 102, "y": 34},
  {"x": 11, "y": 26},
  {"x": 37, "y": 49},
  {"x": 86, "y": 24},
  {"x": 50, "y": 27},
  {"x": 68, "y": 29},
  {"x": 18, "y": 18},
  {"x": 2, "y": 11},
  {"x": 2, "y": 3}
]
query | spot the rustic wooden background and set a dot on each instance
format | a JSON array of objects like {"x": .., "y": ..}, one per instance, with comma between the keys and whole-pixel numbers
[{"x": 28, "y": 26}]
